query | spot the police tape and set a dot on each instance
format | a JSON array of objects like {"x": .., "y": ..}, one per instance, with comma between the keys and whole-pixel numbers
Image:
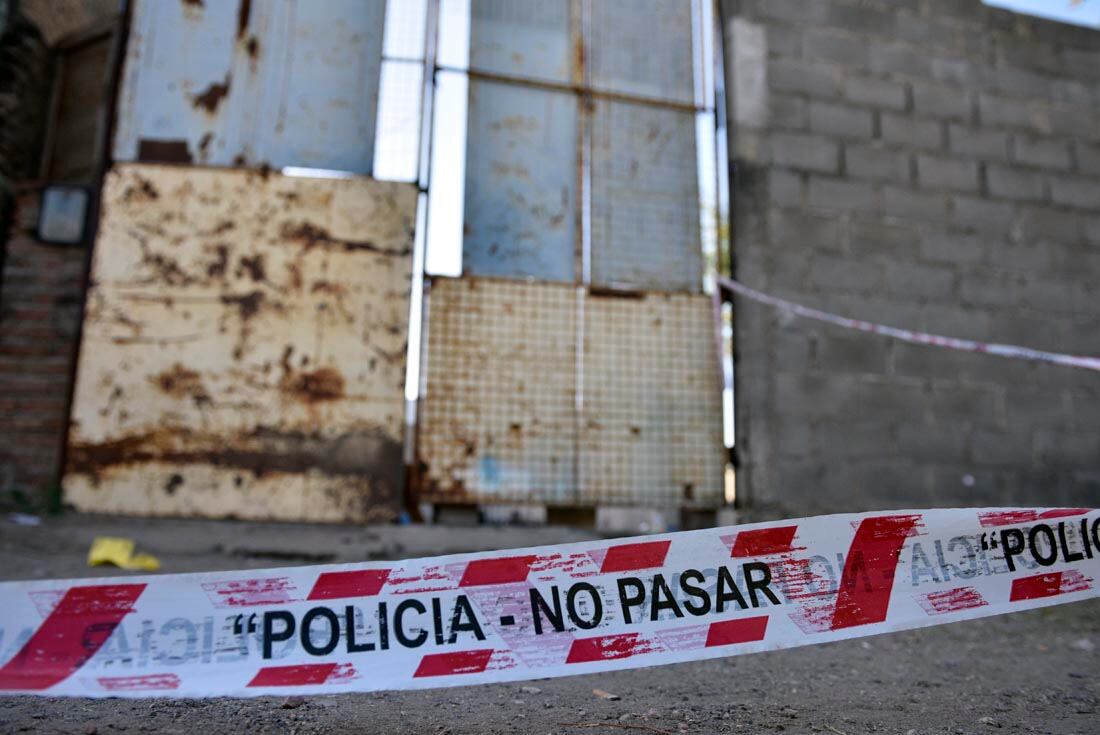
[
  {"x": 541, "y": 612},
  {"x": 908, "y": 335}
]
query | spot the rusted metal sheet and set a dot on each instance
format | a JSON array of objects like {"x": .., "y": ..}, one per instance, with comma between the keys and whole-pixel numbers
[
  {"x": 242, "y": 83},
  {"x": 520, "y": 212},
  {"x": 651, "y": 430},
  {"x": 497, "y": 421},
  {"x": 523, "y": 38},
  {"x": 501, "y": 420},
  {"x": 642, "y": 47},
  {"x": 244, "y": 347},
  {"x": 645, "y": 198}
]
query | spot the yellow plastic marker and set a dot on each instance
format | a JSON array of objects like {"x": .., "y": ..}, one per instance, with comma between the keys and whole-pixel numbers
[{"x": 120, "y": 553}]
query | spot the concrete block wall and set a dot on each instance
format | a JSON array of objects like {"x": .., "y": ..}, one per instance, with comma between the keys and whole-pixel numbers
[{"x": 928, "y": 164}]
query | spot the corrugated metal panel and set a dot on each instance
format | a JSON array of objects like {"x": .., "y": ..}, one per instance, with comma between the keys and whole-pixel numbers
[
  {"x": 237, "y": 83},
  {"x": 651, "y": 432},
  {"x": 521, "y": 165},
  {"x": 642, "y": 47},
  {"x": 525, "y": 38},
  {"x": 497, "y": 421},
  {"x": 244, "y": 347},
  {"x": 645, "y": 198}
]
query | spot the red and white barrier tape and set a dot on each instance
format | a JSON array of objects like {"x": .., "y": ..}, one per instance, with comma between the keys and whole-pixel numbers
[
  {"x": 541, "y": 612},
  {"x": 906, "y": 335}
]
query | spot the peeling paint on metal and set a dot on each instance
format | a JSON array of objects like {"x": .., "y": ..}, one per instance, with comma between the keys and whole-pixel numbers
[
  {"x": 212, "y": 96},
  {"x": 231, "y": 367},
  {"x": 194, "y": 73}
]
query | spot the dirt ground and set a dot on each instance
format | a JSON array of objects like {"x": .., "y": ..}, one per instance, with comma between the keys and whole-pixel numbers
[{"x": 1033, "y": 672}]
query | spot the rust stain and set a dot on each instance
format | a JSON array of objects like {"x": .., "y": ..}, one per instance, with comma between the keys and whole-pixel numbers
[
  {"x": 516, "y": 124},
  {"x": 221, "y": 228},
  {"x": 244, "y": 10},
  {"x": 217, "y": 268},
  {"x": 174, "y": 481},
  {"x": 164, "y": 151},
  {"x": 253, "y": 267},
  {"x": 252, "y": 48},
  {"x": 194, "y": 3},
  {"x": 322, "y": 384},
  {"x": 204, "y": 145},
  {"x": 142, "y": 191},
  {"x": 311, "y": 236},
  {"x": 294, "y": 272},
  {"x": 212, "y": 96},
  {"x": 328, "y": 287},
  {"x": 610, "y": 292},
  {"x": 364, "y": 452},
  {"x": 181, "y": 383},
  {"x": 247, "y": 304},
  {"x": 165, "y": 268}
]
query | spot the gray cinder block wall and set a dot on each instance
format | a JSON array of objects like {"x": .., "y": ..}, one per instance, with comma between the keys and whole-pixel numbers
[{"x": 928, "y": 164}]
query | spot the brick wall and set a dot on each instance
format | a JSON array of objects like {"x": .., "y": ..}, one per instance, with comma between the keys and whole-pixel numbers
[
  {"x": 929, "y": 164},
  {"x": 41, "y": 294}
]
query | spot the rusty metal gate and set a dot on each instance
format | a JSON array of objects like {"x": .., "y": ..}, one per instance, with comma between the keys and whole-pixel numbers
[
  {"x": 574, "y": 363},
  {"x": 244, "y": 347},
  {"x": 507, "y": 416}
]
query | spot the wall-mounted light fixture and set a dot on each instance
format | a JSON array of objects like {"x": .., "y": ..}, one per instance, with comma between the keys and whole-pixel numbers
[{"x": 63, "y": 215}]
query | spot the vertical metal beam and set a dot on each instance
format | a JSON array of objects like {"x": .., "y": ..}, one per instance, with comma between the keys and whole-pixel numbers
[
  {"x": 578, "y": 36},
  {"x": 726, "y": 11},
  {"x": 107, "y": 132}
]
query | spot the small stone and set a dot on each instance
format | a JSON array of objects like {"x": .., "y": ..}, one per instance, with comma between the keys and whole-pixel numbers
[
  {"x": 989, "y": 721},
  {"x": 292, "y": 702},
  {"x": 91, "y": 730},
  {"x": 530, "y": 690},
  {"x": 1083, "y": 644}
]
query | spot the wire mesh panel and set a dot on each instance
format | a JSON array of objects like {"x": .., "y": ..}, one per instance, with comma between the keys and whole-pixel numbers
[
  {"x": 642, "y": 47},
  {"x": 520, "y": 182},
  {"x": 645, "y": 198},
  {"x": 497, "y": 416},
  {"x": 523, "y": 38},
  {"x": 651, "y": 430}
]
